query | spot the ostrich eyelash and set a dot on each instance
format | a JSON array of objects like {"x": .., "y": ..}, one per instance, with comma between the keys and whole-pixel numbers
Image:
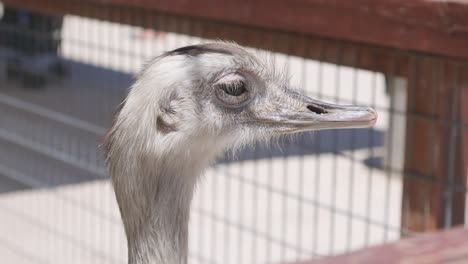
[{"x": 234, "y": 88}]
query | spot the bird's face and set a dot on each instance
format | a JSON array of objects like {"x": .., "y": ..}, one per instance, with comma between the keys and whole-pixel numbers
[
  {"x": 197, "y": 101},
  {"x": 242, "y": 94},
  {"x": 222, "y": 93}
]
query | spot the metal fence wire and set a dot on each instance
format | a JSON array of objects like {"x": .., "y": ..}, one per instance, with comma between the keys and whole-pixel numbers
[{"x": 310, "y": 196}]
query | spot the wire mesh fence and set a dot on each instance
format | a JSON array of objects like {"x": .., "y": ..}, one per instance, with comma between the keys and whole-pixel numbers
[{"x": 312, "y": 195}]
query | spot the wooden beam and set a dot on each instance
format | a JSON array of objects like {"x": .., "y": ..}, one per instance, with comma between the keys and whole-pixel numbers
[
  {"x": 433, "y": 187},
  {"x": 442, "y": 247},
  {"x": 433, "y": 26},
  {"x": 351, "y": 54}
]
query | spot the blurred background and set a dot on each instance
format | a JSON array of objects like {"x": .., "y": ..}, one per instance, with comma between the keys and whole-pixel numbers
[{"x": 66, "y": 65}]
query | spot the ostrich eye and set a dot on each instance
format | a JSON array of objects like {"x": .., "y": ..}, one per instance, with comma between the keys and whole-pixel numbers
[
  {"x": 236, "y": 88},
  {"x": 232, "y": 91}
]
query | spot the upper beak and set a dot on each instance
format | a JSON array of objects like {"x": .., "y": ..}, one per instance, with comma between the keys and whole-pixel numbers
[{"x": 303, "y": 113}]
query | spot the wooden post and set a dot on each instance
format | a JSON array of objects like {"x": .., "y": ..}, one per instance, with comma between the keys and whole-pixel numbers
[
  {"x": 464, "y": 127},
  {"x": 433, "y": 152}
]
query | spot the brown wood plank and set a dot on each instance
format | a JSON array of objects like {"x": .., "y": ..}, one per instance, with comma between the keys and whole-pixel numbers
[
  {"x": 365, "y": 57},
  {"x": 435, "y": 26},
  {"x": 463, "y": 131},
  {"x": 442, "y": 247},
  {"x": 433, "y": 187}
]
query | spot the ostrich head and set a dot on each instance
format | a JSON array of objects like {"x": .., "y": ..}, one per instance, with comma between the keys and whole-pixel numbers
[{"x": 188, "y": 106}]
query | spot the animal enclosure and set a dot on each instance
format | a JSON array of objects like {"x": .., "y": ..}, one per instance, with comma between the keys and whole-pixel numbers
[{"x": 66, "y": 65}]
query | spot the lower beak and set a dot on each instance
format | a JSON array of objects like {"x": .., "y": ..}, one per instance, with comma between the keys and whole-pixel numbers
[{"x": 305, "y": 113}]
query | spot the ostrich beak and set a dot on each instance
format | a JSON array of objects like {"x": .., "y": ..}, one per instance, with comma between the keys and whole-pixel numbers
[{"x": 302, "y": 113}]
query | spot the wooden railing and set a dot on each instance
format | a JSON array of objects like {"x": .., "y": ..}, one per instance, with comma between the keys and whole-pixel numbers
[
  {"x": 434, "y": 26},
  {"x": 434, "y": 248}
]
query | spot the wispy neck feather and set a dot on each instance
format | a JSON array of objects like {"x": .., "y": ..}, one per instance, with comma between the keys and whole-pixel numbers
[
  {"x": 160, "y": 234},
  {"x": 154, "y": 177},
  {"x": 154, "y": 201}
]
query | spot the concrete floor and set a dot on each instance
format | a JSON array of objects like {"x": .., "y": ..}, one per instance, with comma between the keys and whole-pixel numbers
[{"x": 319, "y": 194}]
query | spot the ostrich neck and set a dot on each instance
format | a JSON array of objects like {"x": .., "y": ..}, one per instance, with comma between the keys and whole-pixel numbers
[{"x": 155, "y": 205}]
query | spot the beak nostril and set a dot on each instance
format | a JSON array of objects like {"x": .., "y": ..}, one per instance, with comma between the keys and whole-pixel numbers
[{"x": 316, "y": 109}]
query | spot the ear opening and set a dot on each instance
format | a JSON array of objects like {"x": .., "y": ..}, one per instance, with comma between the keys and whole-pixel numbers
[
  {"x": 166, "y": 121},
  {"x": 164, "y": 124}
]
